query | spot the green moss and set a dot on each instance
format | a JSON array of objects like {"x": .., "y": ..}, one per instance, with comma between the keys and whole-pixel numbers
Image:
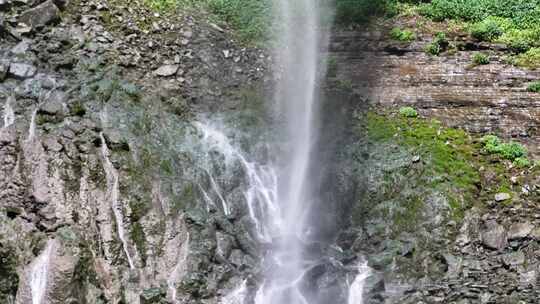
[
  {"x": 405, "y": 35},
  {"x": 447, "y": 153},
  {"x": 139, "y": 238},
  {"x": 408, "y": 112}
]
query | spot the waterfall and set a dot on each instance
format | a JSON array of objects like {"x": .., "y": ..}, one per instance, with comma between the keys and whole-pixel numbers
[
  {"x": 296, "y": 101},
  {"x": 237, "y": 296},
  {"x": 356, "y": 289},
  {"x": 9, "y": 114},
  {"x": 112, "y": 186},
  {"x": 32, "y": 128},
  {"x": 39, "y": 273}
]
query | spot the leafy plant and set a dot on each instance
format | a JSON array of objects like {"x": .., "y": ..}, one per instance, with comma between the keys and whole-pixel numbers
[
  {"x": 438, "y": 45},
  {"x": 404, "y": 35},
  {"x": 534, "y": 87},
  {"x": 522, "y": 162},
  {"x": 529, "y": 59},
  {"x": 511, "y": 151},
  {"x": 480, "y": 59},
  {"x": 408, "y": 112},
  {"x": 490, "y": 28}
]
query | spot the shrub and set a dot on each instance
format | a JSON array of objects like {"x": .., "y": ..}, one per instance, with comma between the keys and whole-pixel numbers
[
  {"x": 486, "y": 31},
  {"x": 534, "y": 87},
  {"x": 521, "y": 40},
  {"x": 360, "y": 11},
  {"x": 408, "y": 112},
  {"x": 511, "y": 151},
  {"x": 522, "y": 162},
  {"x": 530, "y": 59},
  {"x": 405, "y": 35},
  {"x": 480, "y": 59},
  {"x": 438, "y": 45}
]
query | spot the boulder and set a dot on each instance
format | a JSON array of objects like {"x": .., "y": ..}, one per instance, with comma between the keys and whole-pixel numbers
[
  {"x": 167, "y": 70},
  {"x": 499, "y": 197},
  {"x": 513, "y": 258},
  {"x": 22, "y": 70},
  {"x": 520, "y": 230},
  {"x": 494, "y": 236},
  {"x": 41, "y": 15}
]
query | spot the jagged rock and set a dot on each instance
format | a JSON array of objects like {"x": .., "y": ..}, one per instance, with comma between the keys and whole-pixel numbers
[
  {"x": 167, "y": 70},
  {"x": 494, "y": 236},
  {"x": 224, "y": 245},
  {"x": 22, "y": 70},
  {"x": 152, "y": 296},
  {"x": 41, "y": 15},
  {"x": 499, "y": 197},
  {"x": 514, "y": 258},
  {"x": 454, "y": 264},
  {"x": 21, "y": 48},
  {"x": 520, "y": 230},
  {"x": 4, "y": 68}
]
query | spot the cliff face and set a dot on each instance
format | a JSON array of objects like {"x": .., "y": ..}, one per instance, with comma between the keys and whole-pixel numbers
[
  {"x": 127, "y": 140},
  {"x": 438, "y": 219},
  {"x": 490, "y": 98},
  {"x": 100, "y": 189}
]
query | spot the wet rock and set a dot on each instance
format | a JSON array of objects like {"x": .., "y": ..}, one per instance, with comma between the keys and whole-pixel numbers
[
  {"x": 167, "y": 70},
  {"x": 494, "y": 236},
  {"x": 22, "y": 70},
  {"x": 41, "y": 15},
  {"x": 520, "y": 230},
  {"x": 153, "y": 296},
  {"x": 4, "y": 68},
  {"x": 513, "y": 259},
  {"x": 454, "y": 265},
  {"x": 224, "y": 245},
  {"x": 499, "y": 197},
  {"x": 21, "y": 48}
]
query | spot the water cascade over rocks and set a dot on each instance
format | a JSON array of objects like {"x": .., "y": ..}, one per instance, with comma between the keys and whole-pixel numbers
[
  {"x": 9, "y": 114},
  {"x": 39, "y": 274},
  {"x": 356, "y": 290},
  {"x": 112, "y": 189}
]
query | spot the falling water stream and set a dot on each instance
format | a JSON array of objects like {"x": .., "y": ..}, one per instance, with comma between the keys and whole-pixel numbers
[
  {"x": 39, "y": 273},
  {"x": 112, "y": 186},
  {"x": 9, "y": 114}
]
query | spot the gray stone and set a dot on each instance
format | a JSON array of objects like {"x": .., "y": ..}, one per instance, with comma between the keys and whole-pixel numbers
[
  {"x": 22, "y": 70},
  {"x": 4, "y": 68},
  {"x": 494, "y": 236},
  {"x": 499, "y": 197},
  {"x": 41, "y": 15},
  {"x": 224, "y": 245},
  {"x": 520, "y": 230},
  {"x": 513, "y": 258},
  {"x": 455, "y": 265},
  {"x": 21, "y": 47},
  {"x": 167, "y": 70}
]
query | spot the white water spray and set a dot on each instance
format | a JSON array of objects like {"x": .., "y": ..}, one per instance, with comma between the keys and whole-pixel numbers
[
  {"x": 9, "y": 114},
  {"x": 113, "y": 193},
  {"x": 237, "y": 296},
  {"x": 297, "y": 57},
  {"x": 39, "y": 274},
  {"x": 356, "y": 289},
  {"x": 32, "y": 127},
  {"x": 261, "y": 189}
]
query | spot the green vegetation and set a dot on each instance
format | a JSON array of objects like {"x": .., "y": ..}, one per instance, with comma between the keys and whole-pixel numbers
[
  {"x": 490, "y": 29},
  {"x": 480, "y": 59},
  {"x": 408, "y": 112},
  {"x": 360, "y": 11},
  {"x": 534, "y": 87},
  {"x": 513, "y": 151},
  {"x": 438, "y": 45},
  {"x": 529, "y": 59},
  {"x": 446, "y": 152},
  {"x": 405, "y": 35}
]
